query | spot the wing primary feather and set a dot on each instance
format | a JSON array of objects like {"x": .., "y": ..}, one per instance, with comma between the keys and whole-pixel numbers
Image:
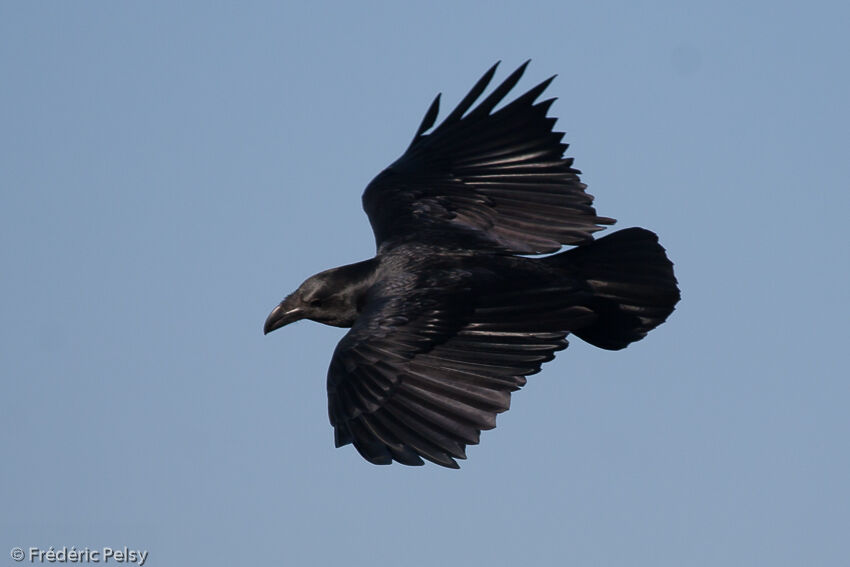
[
  {"x": 429, "y": 119},
  {"x": 399, "y": 451},
  {"x": 368, "y": 445},
  {"x": 414, "y": 439},
  {"x": 528, "y": 97},
  {"x": 471, "y": 96},
  {"x": 499, "y": 93},
  {"x": 409, "y": 415}
]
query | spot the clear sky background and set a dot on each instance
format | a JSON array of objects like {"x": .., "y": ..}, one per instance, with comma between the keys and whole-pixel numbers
[{"x": 170, "y": 171}]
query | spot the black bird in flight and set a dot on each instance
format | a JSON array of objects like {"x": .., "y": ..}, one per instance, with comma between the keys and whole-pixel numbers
[{"x": 450, "y": 315}]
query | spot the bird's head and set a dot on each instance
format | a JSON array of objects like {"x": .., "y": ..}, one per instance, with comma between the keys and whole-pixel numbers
[{"x": 330, "y": 297}]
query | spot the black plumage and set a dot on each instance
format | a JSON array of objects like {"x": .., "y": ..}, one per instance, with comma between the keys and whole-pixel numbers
[{"x": 450, "y": 317}]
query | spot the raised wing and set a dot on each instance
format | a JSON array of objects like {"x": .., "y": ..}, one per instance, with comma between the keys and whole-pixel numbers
[
  {"x": 422, "y": 377},
  {"x": 485, "y": 179}
]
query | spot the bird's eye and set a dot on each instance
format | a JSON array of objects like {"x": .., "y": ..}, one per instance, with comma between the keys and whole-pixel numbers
[{"x": 315, "y": 302}]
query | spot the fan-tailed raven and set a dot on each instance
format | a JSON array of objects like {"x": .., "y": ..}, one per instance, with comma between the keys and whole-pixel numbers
[{"x": 450, "y": 316}]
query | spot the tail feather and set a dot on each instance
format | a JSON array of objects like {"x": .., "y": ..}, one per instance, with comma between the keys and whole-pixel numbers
[{"x": 634, "y": 289}]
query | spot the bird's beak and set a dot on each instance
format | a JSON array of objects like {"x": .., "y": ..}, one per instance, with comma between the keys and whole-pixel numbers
[{"x": 282, "y": 315}]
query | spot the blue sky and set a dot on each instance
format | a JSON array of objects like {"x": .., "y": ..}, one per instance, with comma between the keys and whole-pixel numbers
[{"x": 169, "y": 171}]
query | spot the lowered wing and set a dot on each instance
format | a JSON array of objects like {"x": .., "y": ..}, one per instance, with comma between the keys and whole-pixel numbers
[
  {"x": 485, "y": 179},
  {"x": 421, "y": 377}
]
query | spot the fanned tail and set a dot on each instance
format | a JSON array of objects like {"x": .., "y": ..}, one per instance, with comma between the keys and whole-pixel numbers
[{"x": 634, "y": 288}]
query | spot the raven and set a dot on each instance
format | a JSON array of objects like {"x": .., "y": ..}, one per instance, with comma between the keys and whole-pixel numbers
[{"x": 452, "y": 314}]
